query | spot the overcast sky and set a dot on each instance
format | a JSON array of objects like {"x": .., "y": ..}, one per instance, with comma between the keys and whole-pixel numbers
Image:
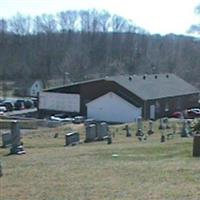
[{"x": 156, "y": 16}]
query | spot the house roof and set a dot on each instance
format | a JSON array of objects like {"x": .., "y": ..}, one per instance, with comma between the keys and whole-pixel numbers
[
  {"x": 148, "y": 87},
  {"x": 29, "y": 83},
  {"x": 155, "y": 86}
]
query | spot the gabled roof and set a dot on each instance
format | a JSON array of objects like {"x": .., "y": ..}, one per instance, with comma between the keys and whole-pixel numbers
[
  {"x": 155, "y": 86},
  {"x": 147, "y": 87},
  {"x": 28, "y": 83}
]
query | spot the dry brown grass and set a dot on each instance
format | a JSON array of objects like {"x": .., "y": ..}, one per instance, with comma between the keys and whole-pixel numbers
[{"x": 142, "y": 170}]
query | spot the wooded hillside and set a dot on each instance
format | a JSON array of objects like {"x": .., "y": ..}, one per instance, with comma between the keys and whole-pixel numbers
[{"x": 100, "y": 45}]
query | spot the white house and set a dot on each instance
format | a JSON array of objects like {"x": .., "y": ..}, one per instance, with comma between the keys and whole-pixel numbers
[{"x": 36, "y": 87}]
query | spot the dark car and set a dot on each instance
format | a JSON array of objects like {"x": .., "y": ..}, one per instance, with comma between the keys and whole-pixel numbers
[
  {"x": 19, "y": 104},
  {"x": 28, "y": 103},
  {"x": 9, "y": 105}
]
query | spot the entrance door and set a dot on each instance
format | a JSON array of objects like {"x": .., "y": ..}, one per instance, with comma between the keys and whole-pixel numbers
[{"x": 152, "y": 111}]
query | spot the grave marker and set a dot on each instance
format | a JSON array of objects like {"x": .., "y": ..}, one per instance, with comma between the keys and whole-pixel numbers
[
  {"x": 72, "y": 138},
  {"x": 16, "y": 145},
  {"x": 6, "y": 139},
  {"x": 126, "y": 128},
  {"x": 150, "y": 131},
  {"x": 90, "y": 133},
  {"x": 101, "y": 130}
]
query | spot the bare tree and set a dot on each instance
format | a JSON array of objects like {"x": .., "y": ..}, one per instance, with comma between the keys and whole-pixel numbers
[
  {"x": 20, "y": 25},
  {"x": 67, "y": 20},
  {"x": 85, "y": 21},
  {"x": 45, "y": 24},
  {"x": 118, "y": 23},
  {"x": 104, "y": 17}
]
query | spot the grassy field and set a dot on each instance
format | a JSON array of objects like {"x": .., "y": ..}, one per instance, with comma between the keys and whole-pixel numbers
[{"x": 89, "y": 171}]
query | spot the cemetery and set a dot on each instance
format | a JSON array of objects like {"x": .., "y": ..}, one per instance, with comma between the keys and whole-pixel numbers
[{"x": 145, "y": 160}]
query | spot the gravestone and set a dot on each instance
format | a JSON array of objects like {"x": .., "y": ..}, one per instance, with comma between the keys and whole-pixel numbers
[
  {"x": 56, "y": 135},
  {"x": 140, "y": 134},
  {"x": 126, "y": 128},
  {"x": 150, "y": 131},
  {"x": 162, "y": 138},
  {"x": 6, "y": 140},
  {"x": 196, "y": 145},
  {"x": 139, "y": 126},
  {"x": 90, "y": 133},
  {"x": 72, "y": 138},
  {"x": 16, "y": 145},
  {"x": 101, "y": 130},
  {"x": 161, "y": 124},
  {"x": 109, "y": 140},
  {"x": 166, "y": 121},
  {"x": 184, "y": 130}
]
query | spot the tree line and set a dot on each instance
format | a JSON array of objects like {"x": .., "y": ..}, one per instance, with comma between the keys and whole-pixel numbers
[{"x": 90, "y": 44}]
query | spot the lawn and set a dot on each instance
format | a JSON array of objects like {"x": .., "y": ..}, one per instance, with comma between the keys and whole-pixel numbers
[{"x": 127, "y": 169}]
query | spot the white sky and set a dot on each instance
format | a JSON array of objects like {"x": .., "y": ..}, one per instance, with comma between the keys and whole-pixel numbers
[{"x": 156, "y": 16}]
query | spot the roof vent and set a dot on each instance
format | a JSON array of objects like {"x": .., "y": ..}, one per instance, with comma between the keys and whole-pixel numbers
[
  {"x": 130, "y": 78},
  {"x": 167, "y": 76},
  {"x": 144, "y": 77},
  {"x": 156, "y": 76}
]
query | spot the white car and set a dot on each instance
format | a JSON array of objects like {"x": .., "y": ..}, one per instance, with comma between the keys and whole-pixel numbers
[
  {"x": 3, "y": 109},
  {"x": 67, "y": 119}
]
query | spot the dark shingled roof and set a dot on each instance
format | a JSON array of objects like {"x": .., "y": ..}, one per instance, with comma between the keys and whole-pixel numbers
[
  {"x": 147, "y": 87},
  {"x": 155, "y": 86}
]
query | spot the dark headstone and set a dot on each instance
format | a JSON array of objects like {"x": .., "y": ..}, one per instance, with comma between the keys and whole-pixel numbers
[
  {"x": 56, "y": 135},
  {"x": 150, "y": 131},
  {"x": 162, "y": 139},
  {"x": 72, "y": 138},
  {"x": 109, "y": 140},
  {"x": 196, "y": 145},
  {"x": 128, "y": 134}
]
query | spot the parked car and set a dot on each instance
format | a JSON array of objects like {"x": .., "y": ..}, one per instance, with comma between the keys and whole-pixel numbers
[
  {"x": 62, "y": 117},
  {"x": 8, "y": 104},
  {"x": 78, "y": 119},
  {"x": 19, "y": 104},
  {"x": 28, "y": 103},
  {"x": 67, "y": 119},
  {"x": 89, "y": 121},
  {"x": 177, "y": 114},
  {"x": 193, "y": 112}
]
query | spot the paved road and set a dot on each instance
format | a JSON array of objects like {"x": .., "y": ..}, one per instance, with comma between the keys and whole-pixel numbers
[{"x": 21, "y": 112}]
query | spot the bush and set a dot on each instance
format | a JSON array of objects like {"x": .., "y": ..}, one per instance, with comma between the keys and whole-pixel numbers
[{"x": 196, "y": 126}]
